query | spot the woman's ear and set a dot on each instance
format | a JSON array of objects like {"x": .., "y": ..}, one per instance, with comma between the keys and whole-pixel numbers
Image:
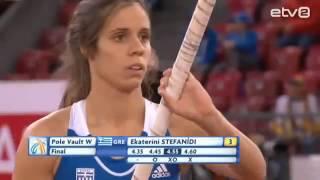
[
  {"x": 87, "y": 53},
  {"x": 84, "y": 52}
]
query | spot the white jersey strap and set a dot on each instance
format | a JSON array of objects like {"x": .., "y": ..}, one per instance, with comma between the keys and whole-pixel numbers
[
  {"x": 150, "y": 115},
  {"x": 78, "y": 120}
]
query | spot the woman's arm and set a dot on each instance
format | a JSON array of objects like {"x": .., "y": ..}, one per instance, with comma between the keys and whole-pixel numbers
[
  {"x": 196, "y": 105},
  {"x": 40, "y": 168},
  {"x": 27, "y": 167},
  {"x": 252, "y": 164}
]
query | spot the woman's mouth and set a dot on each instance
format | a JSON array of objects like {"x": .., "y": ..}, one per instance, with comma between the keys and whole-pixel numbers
[{"x": 136, "y": 67}]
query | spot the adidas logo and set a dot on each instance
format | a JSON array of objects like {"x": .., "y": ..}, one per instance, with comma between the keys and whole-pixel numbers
[{"x": 160, "y": 172}]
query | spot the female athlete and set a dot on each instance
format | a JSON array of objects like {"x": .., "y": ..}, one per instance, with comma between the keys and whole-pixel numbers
[{"x": 108, "y": 45}]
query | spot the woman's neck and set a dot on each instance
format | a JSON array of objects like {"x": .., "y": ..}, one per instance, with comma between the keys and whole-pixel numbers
[{"x": 108, "y": 104}]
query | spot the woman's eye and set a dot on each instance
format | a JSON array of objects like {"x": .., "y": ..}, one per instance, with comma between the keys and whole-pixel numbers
[
  {"x": 119, "y": 37},
  {"x": 145, "y": 37}
]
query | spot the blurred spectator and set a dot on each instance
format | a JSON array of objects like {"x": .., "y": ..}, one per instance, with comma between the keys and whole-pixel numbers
[
  {"x": 299, "y": 31},
  {"x": 53, "y": 40},
  {"x": 209, "y": 45},
  {"x": 299, "y": 106},
  {"x": 36, "y": 63},
  {"x": 240, "y": 44},
  {"x": 208, "y": 53}
]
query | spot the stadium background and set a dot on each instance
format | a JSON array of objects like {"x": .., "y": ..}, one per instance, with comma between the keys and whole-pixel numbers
[{"x": 31, "y": 82}]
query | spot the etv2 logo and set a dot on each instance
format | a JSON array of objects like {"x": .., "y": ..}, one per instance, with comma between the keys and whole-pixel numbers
[
  {"x": 37, "y": 146},
  {"x": 301, "y": 12}
]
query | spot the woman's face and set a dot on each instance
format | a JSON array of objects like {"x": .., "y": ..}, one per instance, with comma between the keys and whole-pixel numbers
[{"x": 123, "y": 49}]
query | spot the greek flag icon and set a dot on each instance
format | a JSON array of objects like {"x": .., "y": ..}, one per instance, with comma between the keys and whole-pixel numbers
[
  {"x": 84, "y": 174},
  {"x": 104, "y": 141}
]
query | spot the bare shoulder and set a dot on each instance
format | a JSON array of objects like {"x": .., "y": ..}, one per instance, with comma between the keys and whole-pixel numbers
[
  {"x": 54, "y": 124},
  {"x": 180, "y": 126}
]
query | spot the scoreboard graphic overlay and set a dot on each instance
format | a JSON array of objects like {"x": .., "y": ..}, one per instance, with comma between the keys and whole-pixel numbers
[{"x": 142, "y": 150}]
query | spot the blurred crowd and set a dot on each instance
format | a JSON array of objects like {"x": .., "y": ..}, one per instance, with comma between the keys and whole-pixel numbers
[{"x": 265, "y": 72}]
